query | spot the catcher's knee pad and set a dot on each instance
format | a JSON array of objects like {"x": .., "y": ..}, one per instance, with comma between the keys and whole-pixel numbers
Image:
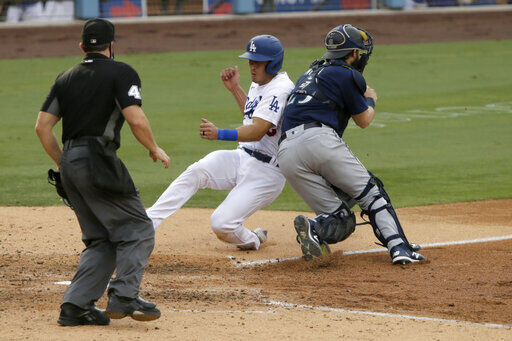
[
  {"x": 379, "y": 201},
  {"x": 337, "y": 226}
]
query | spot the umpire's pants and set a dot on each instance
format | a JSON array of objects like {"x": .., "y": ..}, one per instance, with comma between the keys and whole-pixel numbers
[{"x": 116, "y": 231}]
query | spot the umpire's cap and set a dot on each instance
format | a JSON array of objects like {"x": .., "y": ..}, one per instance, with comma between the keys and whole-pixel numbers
[
  {"x": 97, "y": 32},
  {"x": 341, "y": 40}
]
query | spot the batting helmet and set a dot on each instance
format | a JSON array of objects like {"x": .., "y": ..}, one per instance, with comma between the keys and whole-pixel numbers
[{"x": 265, "y": 48}]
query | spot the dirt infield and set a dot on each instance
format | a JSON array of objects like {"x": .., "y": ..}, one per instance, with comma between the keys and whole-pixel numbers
[
  {"x": 205, "y": 293},
  {"x": 293, "y": 31}
]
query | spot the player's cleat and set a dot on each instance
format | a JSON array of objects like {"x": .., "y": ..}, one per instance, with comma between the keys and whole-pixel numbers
[
  {"x": 308, "y": 240},
  {"x": 261, "y": 234},
  {"x": 139, "y": 309},
  {"x": 401, "y": 254},
  {"x": 72, "y": 315},
  {"x": 415, "y": 247}
]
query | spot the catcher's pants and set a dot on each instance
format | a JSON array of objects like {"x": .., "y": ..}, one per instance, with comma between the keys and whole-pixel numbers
[
  {"x": 116, "y": 231},
  {"x": 253, "y": 184},
  {"x": 315, "y": 160}
]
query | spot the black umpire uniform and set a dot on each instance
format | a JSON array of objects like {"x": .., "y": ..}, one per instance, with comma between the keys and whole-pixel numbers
[{"x": 117, "y": 233}]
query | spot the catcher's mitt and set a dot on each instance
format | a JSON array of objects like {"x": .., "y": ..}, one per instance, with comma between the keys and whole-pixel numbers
[{"x": 54, "y": 180}]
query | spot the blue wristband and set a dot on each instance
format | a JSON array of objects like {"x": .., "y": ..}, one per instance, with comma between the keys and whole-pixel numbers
[
  {"x": 371, "y": 102},
  {"x": 227, "y": 134}
]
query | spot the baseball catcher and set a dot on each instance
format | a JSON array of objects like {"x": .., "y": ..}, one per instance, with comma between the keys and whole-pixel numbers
[{"x": 319, "y": 165}]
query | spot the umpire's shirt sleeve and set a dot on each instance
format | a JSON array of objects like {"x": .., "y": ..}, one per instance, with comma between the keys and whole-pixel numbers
[
  {"x": 51, "y": 104},
  {"x": 127, "y": 87}
]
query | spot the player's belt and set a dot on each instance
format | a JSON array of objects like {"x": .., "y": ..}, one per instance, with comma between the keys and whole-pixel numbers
[
  {"x": 257, "y": 155},
  {"x": 296, "y": 129}
]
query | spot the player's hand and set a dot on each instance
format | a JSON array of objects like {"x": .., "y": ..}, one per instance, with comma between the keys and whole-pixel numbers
[
  {"x": 371, "y": 93},
  {"x": 230, "y": 77},
  {"x": 159, "y": 154},
  {"x": 208, "y": 130}
]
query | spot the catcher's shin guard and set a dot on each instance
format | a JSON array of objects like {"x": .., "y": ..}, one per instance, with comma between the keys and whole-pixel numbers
[
  {"x": 382, "y": 202},
  {"x": 337, "y": 226}
]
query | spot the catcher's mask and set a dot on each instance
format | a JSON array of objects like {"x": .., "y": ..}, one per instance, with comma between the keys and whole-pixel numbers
[
  {"x": 342, "y": 40},
  {"x": 265, "y": 48}
]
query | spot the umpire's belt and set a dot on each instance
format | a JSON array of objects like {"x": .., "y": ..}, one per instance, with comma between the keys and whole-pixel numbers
[
  {"x": 293, "y": 130},
  {"x": 82, "y": 141},
  {"x": 259, "y": 156}
]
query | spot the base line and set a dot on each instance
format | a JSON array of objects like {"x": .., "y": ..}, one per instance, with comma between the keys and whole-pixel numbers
[
  {"x": 371, "y": 313},
  {"x": 272, "y": 311},
  {"x": 347, "y": 253}
]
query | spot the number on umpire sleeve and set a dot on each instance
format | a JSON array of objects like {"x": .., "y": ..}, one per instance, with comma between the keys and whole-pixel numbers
[{"x": 134, "y": 92}]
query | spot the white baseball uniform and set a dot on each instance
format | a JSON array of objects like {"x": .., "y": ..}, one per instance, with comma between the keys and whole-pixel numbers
[{"x": 253, "y": 183}]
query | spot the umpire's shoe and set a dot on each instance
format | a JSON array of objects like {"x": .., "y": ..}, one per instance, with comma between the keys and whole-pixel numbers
[
  {"x": 137, "y": 308},
  {"x": 72, "y": 315},
  {"x": 401, "y": 254},
  {"x": 309, "y": 242}
]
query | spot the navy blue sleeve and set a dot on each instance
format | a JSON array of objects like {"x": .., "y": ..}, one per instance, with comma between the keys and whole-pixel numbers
[
  {"x": 354, "y": 99},
  {"x": 340, "y": 85}
]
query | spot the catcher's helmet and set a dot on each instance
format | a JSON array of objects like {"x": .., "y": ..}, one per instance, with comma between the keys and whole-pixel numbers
[
  {"x": 341, "y": 40},
  {"x": 265, "y": 48}
]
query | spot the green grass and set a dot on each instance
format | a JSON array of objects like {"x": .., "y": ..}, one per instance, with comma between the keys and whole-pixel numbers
[{"x": 422, "y": 160}]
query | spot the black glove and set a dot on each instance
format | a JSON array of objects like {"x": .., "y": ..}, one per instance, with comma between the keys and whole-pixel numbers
[{"x": 54, "y": 179}]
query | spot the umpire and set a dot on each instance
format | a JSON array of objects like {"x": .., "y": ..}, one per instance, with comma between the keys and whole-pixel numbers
[
  {"x": 94, "y": 98},
  {"x": 320, "y": 166}
]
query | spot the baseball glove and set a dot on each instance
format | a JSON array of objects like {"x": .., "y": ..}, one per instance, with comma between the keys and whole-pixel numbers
[{"x": 54, "y": 180}]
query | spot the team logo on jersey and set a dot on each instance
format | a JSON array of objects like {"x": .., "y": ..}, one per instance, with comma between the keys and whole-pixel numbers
[
  {"x": 252, "y": 48},
  {"x": 275, "y": 104},
  {"x": 305, "y": 84},
  {"x": 250, "y": 106},
  {"x": 134, "y": 92}
]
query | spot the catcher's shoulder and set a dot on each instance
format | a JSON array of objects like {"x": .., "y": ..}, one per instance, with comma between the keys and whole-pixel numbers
[{"x": 359, "y": 80}]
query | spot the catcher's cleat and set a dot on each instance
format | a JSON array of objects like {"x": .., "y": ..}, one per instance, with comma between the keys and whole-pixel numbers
[
  {"x": 308, "y": 240},
  {"x": 72, "y": 315},
  {"x": 138, "y": 309},
  {"x": 415, "y": 247},
  {"x": 261, "y": 234},
  {"x": 401, "y": 254}
]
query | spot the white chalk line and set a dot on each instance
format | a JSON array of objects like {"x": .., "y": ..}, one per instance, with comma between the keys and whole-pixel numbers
[
  {"x": 347, "y": 253},
  {"x": 270, "y": 311},
  {"x": 62, "y": 283},
  {"x": 372, "y": 313},
  {"x": 385, "y": 117}
]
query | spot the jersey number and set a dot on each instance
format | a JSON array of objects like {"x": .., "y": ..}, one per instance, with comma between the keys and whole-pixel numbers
[
  {"x": 134, "y": 92},
  {"x": 274, "y": 105}
]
